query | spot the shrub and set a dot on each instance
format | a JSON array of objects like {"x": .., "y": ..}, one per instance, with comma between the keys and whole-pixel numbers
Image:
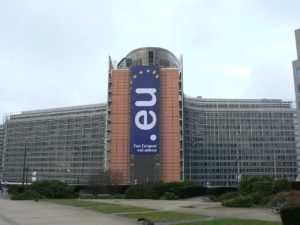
[
  {"x": 293, "y": 198},
  {"x": 155, "y": 190},
  {"x": 220, "y": 190},
  {"x": 259, "y": 184},
  {"x": 53, "y": 189},
  {"x": 178, "y": 188},
  {"x": 42, "y": 189},
  {"x": 134, "y": 192},
  {"x": 185, "y": 189},
  {"x": 227, "y": 196},
  {"x": 169, "y": 196},
  {"x": 240, "y": 201},
  {"x": 158, "y": 189},
  {"x": 117, "y": 196},
  {"x": 290, "y": 215},
  {"x": 256, "y": 197},
  {"x": 15, "y": 189},
  {"x": 280, "y": 185},
  {"x": 28, "y": 194},
  {"x": 295, "y": 185},
  {"x": 117, "y": 189}
]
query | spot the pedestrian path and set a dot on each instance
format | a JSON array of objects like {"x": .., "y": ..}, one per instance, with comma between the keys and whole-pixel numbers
[{"x": 43, "y": 213}]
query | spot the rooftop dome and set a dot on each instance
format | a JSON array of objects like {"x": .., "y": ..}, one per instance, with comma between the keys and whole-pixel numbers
[{"x": 149, "y": 56}]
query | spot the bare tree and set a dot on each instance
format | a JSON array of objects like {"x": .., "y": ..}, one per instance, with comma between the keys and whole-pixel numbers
[
  {"x": 105, "y": 181},
  {"x": 116, "y": 177}
]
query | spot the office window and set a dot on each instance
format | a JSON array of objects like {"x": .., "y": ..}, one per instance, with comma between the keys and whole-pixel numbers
[
  {"x": 150, "y": 58},
  {"x": 298, "y": 72}
]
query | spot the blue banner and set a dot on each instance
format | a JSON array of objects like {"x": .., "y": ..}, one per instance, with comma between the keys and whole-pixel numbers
[{"x": 144, "y": 127}]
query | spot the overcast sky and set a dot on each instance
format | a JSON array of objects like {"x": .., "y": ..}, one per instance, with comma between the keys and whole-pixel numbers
[{"x": 54, "y": 53}]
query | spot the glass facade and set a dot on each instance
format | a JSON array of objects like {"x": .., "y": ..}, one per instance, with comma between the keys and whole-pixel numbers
[
  {"x": 227, "y": 139},
  {"x": 66, "y": 144},
  {"x": 1, "y": 149}
]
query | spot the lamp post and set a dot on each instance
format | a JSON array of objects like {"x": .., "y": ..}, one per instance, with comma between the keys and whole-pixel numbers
[
  {"x": 274, "y": 162},
  {"x": 238, "y": 167},
  {"x": 191, "y": 156},
  {"x": 24, "y": 162}
]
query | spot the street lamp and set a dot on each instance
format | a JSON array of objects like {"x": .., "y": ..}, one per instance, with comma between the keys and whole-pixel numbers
[
  {"x": 238, "y": 167},
  {"x": 191, "y": 155},
  {"x": 24, "y": 162},
  {"x": 274, "y": 164}
]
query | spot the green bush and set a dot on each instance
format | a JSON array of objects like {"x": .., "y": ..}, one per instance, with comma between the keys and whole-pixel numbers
[
  {"x": 256, "y": 198},
  {"x": 234, "y": 199},
  {"x": 240, "y": 201},
  {"x": 157, "y": 190},
  {"x": 53, "y": 189},
  {"x": 217, "y": 191},
  {"x": 290, "y": 215},
  {"x": 284, "y": 198},
  {"x": 42, "y": 189},
  {"x": 28, "y": 194},
  {"x": 280, "y": 185},
  {"x": 185, "y": 189},
  {"x": 169, "y": 196},
  {"x": 134, "y": 192},
  {"x": 148, "y": 191},
  {"x": 256, "y": 184},
  {"x": 178, "y": 188},
  {"x": 15, "y": 189},
  {"x": 295, "y": 185},
  {"x": 252, "y": 191},
  {"x": 227, "y": 196}
]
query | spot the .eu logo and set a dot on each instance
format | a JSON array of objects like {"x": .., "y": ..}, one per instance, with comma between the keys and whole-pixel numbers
[
  {"x": 143, "y": 114},
  {"x": 144, "y": 130}
]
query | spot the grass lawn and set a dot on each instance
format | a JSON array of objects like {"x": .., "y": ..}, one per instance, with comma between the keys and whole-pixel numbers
[
  {"x": 162, "y": 216},
  {"x": 99, "y": 206},
  {"x": 231, "y": 221}
]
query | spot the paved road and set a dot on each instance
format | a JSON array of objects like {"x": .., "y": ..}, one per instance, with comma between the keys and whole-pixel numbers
[
  {"x": 43, "y": 213},
  {"x": 198, "y": 205}
]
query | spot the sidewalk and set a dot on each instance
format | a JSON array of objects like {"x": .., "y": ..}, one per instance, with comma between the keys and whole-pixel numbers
[
  {"x": 43, "y": 213},
  {"x": 200, "y": 206}
]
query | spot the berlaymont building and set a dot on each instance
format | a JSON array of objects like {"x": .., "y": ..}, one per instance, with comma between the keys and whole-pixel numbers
[{"x": 149, "y": 130}]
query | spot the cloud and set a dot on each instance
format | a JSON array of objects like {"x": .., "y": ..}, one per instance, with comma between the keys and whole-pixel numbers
[{"x": 55, "y": 53}]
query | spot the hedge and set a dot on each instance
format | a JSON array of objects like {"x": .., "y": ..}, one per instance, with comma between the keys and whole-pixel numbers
[
  {"x": 280, "y": 185},
  {"x": 42, "y": 189},
  {"x": 295, "y": 185},
  {"x": 290, "y": 215},
  {"x": 173, "y": 190},
  {"x": 217, "y": 191},
  {"x": 15, "y": 189},
  {"x": 252, "y": 184},
  {"x": 53, "y": 189},
  {"x": 28, "y": 194},
  {"x": 240, "y": 201},
  {"x": 158, "y": 190}
]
